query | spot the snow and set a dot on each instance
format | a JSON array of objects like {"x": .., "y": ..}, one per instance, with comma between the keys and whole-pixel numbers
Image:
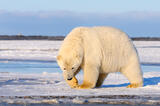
[
  {"x": 149, "y": 51},
  {"x": 52, "y": 84},
  {"x": 51, "y": 88},
  {"x": 17, "y": 86},
  {"x": 29, "y": 50}
]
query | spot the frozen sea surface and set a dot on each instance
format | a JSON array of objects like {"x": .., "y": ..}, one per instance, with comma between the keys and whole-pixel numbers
[
  {"x": 29, "y": 74},
  {"x": 149, "y": 51},
  {"x": 51, "y": 88},
  {"x": 30, "y": 67}
]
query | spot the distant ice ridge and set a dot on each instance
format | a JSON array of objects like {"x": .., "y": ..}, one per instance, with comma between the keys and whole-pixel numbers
[{"x": 149, "y": 51}]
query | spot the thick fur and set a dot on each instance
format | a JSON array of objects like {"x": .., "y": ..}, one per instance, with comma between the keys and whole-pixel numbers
[{"x": 98, "y": 51}]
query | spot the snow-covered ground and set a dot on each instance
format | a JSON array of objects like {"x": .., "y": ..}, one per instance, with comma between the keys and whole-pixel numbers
[
  {"x": 51, "y": 88},
  {"x": 149, "y": 51},
  {"x": 29, "y": 50}
]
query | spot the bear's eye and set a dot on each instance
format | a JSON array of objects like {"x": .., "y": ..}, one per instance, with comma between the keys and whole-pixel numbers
[
  {"x": 64, "y": 68},
  {"x": 72, "y": 68}
]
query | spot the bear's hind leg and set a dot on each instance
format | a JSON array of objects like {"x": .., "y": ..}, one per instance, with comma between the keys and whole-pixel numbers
[
  {"x": 91, "y": 74},
  {"x": 101, "y": 78},
  {"x": 134, "y": 74}
]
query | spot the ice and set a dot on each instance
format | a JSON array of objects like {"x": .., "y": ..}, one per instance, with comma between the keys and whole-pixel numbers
[
  {"x": 149, "y": 51},
  {"x": 53, "y": 86},
  {"x": 29, "y": 50},
  {"x": 12, "y": 84}
]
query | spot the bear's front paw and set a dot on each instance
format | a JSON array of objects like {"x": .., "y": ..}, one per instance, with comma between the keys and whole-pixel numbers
[
  {"x": 81, "y": 87},
  {"x": 73, "y": 83},
  {"x": 85, "y": 85}
]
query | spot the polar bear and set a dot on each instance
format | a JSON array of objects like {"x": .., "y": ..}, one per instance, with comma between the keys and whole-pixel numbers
[{"x": 98, "y": 51}]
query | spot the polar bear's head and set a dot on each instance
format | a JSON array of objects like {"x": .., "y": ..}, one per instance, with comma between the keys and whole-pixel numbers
[{"x": 69, "y": 64}]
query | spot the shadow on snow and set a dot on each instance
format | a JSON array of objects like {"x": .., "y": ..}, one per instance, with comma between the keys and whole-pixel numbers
[{"x": 147, "y": 81}]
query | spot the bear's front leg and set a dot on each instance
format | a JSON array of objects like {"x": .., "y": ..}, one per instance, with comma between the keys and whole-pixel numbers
[
  {"x": 73, "y": 83},
  {"x": 91, "y": 75}
]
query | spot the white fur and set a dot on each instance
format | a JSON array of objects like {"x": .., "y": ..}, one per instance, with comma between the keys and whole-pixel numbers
[{"x": 99, "y": 50}]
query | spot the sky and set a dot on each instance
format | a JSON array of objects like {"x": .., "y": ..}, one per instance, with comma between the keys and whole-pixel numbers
[{"x": 59, "y": 17}]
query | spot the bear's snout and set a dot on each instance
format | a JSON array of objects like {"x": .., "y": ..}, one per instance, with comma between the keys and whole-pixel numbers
[{"x": 68, "y": 75}]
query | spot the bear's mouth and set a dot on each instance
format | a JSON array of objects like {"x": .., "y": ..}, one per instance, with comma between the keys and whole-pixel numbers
[{"x": 69, "y": 79}]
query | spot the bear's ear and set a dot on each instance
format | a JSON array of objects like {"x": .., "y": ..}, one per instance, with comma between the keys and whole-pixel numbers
[{"x": 58, "y": 57}]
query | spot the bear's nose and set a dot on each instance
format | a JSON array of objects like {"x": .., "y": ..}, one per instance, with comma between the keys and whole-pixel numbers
[{"x": 69, "y": 79}]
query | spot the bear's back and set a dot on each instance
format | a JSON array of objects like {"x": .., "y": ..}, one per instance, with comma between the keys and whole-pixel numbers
[{"x": 113, "y": 44}]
